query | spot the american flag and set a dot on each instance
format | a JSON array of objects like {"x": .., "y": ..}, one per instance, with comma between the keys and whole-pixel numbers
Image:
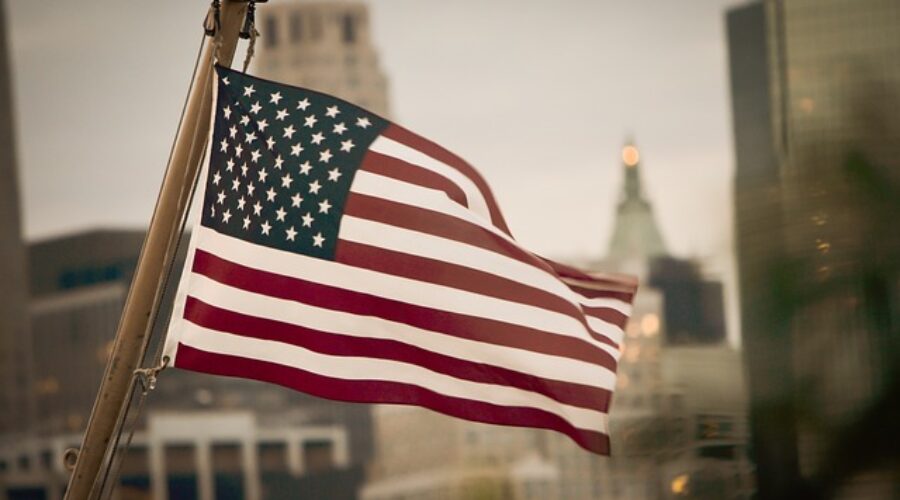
[{"x": 344, "y": 256}]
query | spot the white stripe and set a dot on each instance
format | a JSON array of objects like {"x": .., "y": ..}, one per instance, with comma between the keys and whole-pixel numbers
[
  {"x": 358, "y": 368},
  {"x": 380, "y": 186},
  {"x": 475, "y": 199},
  {"x": 296, "y": 313},
  {"x": 391, "y": 286},
  {"x": 609, "y": 330}
]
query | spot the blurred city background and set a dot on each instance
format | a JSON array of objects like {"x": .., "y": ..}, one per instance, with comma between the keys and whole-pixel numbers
[{"x": 742, "y": 157}]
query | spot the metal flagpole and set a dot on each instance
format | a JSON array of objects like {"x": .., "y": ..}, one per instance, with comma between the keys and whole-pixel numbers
[{"x": 159, "y": 246}]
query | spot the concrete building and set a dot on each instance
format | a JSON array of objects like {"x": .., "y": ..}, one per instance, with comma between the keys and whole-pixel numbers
[
  {"x": 205, "y": 455},
  {"x": 15, "y": 382},
  {"x": 324, "y": 46},
  {"x": 815, "y": 101}
]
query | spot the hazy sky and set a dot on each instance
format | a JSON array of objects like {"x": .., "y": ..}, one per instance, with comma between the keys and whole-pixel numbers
[{"x": 539, "y": 95}]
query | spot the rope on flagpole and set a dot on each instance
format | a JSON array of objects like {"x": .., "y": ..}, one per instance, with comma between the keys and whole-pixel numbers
[{"x": 249, "y": 32}]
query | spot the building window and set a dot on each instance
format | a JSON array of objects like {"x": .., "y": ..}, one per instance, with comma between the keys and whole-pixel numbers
[
  {"x": 348, "y": 28},
  {"x": 271, "y": 32},
  {"x": 296, "y": 27}
]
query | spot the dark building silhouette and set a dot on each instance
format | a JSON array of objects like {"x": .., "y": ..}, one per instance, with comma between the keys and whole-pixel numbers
[
  {"x": 693, "y": 310},
  {"x": 814, "y": 86},
  {"x": 15, "y": 384}
]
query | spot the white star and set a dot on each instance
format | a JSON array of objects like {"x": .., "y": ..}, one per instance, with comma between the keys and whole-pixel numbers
[
  {"x": 255, "y": 107},
  {"x": 262, "y": 175},
  {"x": 347, "y": 145},
  {"x": 221, "y": 197},
  {"x": 310, "y": 121},
  {"x": 226, "y": 216},
  {"x": 303, "y": 104},
  {"x": 245, "y": 120},
  {"x": 275, "y": 98},
  {"x": 291, "y": 233},
  {"x": 318, "y": 239},
  {"x": 257, "y": 208},
  {"x": 224, "y": 145},
  {"x": 250, "y": 188},
  {"x": 289, "y": 131},
  {"x": 314, "y": 187},
  {"x": 244, "y": 170},
  {"x": 230, "y": 165},
  {"x": 250, "y": 137},
  {"x": 265, "y": 227},
  {"x": 317, "y": 138},
  {"x": 262, "y": 124},
  {"x": 278, "y": 162},
  {"x": 363, "y": 123},
  {"x": 324, "y": 206},
  {"x": 282, "y": 114},
  {"x": 232, "y": 131},
  {"x": 308, "y": 220},
  {"x": 241, "y": 203},
  {"x": 248, "y": 91},
  {"x": 286, "y": 181},
  {"x": 227, "y": 112},
  {"x": 333, "y": 174},
  {"x": 217, "y": 178},
  {"x": 212, "y": 211},
  {"x": 296, "y": 149},
  {"x": 246, "y": 222},
  {"x": 235, "y": 184},
  {"x": 226, "y": 81},
  {"x": 339, "y": 128},
  {"x": 254, "y": 156},
  {"x": 296, "y": 200},
  {"x": 332, "y": 111},
  {"x": 324, "y": 156},
  {"x": 270, "y": 143},
  {"x": 280, "y": 213},
  {"x": 270, "y": 194},
  {"x": 305, "y": 168},
  {"x": 238, "y": 149}
]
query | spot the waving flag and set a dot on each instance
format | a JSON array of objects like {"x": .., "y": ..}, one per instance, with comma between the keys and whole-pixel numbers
[{"x": 344, "y": 256}]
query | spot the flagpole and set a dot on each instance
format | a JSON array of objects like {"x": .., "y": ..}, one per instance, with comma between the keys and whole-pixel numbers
[{"x": 159, "y": 245}]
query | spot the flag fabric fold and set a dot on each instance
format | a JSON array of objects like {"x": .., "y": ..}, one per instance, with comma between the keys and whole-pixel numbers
[{"x": 339, "y": 254}]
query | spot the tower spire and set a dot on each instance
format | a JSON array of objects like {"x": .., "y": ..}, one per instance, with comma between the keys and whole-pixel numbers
[{"x": 636, "y": 236}]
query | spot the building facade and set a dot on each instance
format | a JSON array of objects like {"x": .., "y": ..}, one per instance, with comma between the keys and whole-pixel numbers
[
  {"x": 201, "y": 454},
  {"x": 15, "y": 382},
  {"x": 815, "y": 100},
  {"x": 324, "y": 46}
]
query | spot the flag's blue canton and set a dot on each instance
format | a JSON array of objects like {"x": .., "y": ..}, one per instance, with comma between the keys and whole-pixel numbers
[{"x": 282, "y": 160}]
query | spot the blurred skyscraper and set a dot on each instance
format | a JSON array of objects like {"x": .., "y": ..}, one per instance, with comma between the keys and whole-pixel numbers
[
  {"x": 816, "y": 106},
  {"x": 324, "y": 46},
  {"x": 15, "y": 383}
]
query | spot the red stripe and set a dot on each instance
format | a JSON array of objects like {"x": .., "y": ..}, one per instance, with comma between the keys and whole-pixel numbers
[
  {"x": 607, "y": 314},
  {"x": 444, "y": 156},
  {"x": 456, "y": 276},
  {"x": 459, "y": 325},
  {"x": 335, "y": 344},
  {"x": 376, "y": 391},
  {"x": 396, "y": 168},
  {"x": 593, "y": 293}
]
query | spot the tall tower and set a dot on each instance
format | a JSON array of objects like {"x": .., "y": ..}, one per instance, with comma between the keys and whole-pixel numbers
[
  {"x": 15, "y": 383},
  {"x": 636, "y": 237},
  {"x": 815, "y": 98},
  {"x": 324, "y": 46}
]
